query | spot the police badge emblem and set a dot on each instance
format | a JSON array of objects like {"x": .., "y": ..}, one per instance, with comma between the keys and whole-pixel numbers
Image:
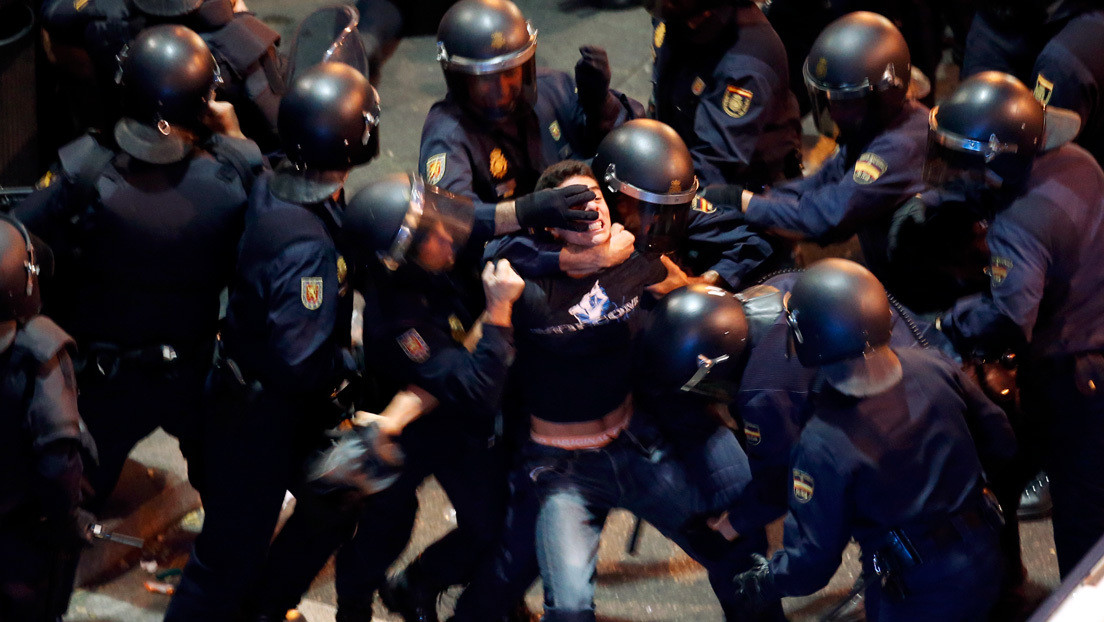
[
  {"x": 736, "y": 101},
  {"x": 697, "y": 86},
  {"x": 1043, "y": 89},
  {"x": 554, "y": 130},
  {"x": 802, "y": 486},
  {"x": 752, "y": 434},
  {"x": 498, "y": 164},
  {"x": 310, "y": 292},
  {"x": 413, "y": 346},
  {"x": 435, "y": 168},
  {"x": 659, "y": 34}
]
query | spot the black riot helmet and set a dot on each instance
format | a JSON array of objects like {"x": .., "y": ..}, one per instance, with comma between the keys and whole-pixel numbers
[
  {"x": 647, "y": 176},
  {"x": 985, "y": 135},
  {"x": 837, "y": 310},
  {"x": 487, "y": 50},
  {"x": 167, "y": 8},
  {"x": 857, "y": 74},
  {"x": 168, "y": 76},
  {"x": 390, "y": 220},
  {"x": 328, "y": 123},
  {"x": 695, "y": 341},
  {"x": 20, "y": 298}
]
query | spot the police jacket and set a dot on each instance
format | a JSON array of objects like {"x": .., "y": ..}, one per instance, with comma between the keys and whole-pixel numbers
[
  {"x": 773, "y": 398},
  {"x": 41, "y": 434},
  {"x": 495, "y": 163},
  {"x": 903, "y": 459},
  {"x": 1069, "y": 73},
  {"x": 855, "y": 191},
  {"x": 418, "y": 338},
  {"x": 290, "y": 308},
  {"x": 1046, "y": 280},
  {"x": 727, "y": 94},
  {"x": 142, "y": 250}
]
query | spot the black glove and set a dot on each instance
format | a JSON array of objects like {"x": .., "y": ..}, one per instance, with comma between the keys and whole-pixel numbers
[
  {"x": 723, "y": 194},
  {"x": 755, "y": 588},
  {"x": 592, "y": 78},
  {"x": 561, "y": 208},
  {"x": 705, "y": 540}
]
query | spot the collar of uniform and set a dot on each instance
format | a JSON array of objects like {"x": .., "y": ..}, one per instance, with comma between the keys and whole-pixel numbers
[{"x": 7, "y": 335}]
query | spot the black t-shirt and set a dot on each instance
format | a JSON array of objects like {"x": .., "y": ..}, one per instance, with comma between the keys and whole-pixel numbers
[{"x": 574, "y": 339}]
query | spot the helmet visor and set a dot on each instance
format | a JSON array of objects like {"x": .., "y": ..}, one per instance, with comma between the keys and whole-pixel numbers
[
  {"x": 436, "y": 228},
  {"x": 494, "y": 96},
  {"x": 477, "y": 66},
  {"x": 327, "y": 34}
]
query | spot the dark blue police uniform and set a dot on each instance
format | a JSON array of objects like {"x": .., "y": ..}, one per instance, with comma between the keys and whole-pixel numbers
[
  {"x": 95, "y": 32},
  {"x": 899, "y": 466},
  {"x": 854, "y": 191},
  {"x": 42, "y": 447},
  {"x": 495, "y": 163},
  {"x": 1069, "y": 73},
  {"x": 1045, "y": 291},
  {"x": 728, "y": 97},
  {"x": 413, "y": 321},
  {"x": 772, "y": 402},
  {"x": 138, "y": 288},
  {"x": 286, "y": 338}
]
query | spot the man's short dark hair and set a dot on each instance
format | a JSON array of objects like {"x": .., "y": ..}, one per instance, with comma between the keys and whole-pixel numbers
[{"x": 555, "y": 175}]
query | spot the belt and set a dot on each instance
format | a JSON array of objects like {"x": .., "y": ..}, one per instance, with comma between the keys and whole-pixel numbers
[
  {"x": 956, "y": 528},
  {"x": 591, "y": 434}
]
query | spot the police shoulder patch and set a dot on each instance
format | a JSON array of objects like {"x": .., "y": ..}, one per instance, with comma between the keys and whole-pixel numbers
[
  {"x": 737, "y": 101},
  {"x": 413, "y": 346},
  {"x": 998, "y": 269},
  {"x": 752, "y": 434},
  {"x": 869, "y": 168},
  {"x": 310, "y": 292},
  {"x": 1043, "y": 89},
  {"x": 802, "y": 486},
  {"x": 701, "y": 204},
  {"x": 435, "y": 168},
  {"x": 697, "y": 86}
]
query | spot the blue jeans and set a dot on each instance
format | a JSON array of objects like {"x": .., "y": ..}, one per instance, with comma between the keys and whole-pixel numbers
[{"x": 577, "y": 489}]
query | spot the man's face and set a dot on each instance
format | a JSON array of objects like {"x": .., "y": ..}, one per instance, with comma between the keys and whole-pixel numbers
[
  {"x": 598, "y": 232},
  {"x": 435, "y": 252},
  {"x": 498, "y": 92}
]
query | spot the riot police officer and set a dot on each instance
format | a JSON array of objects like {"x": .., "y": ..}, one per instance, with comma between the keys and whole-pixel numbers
[
  {"x": 504, "y": 121},
  {"x": 44, "y": 443},
  {"x": 285, "y": 340},
  {"x": 857, "y": 74},
  {"x": 719, "y": 82},
  {"x": 88, "y": 36},
  {"x": 993, "y": 143},
  {"x": 888, "y": 458},
  {"x": 1007, "y": 36},
  {"x": 144, "y": 235}
]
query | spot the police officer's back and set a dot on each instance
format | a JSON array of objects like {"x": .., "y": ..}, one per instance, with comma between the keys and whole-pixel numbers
[
  {"x": 144, "y": 235},
  {"x": 89, "y": 35},
  {"x": 286, "y": 337},
  {"x": 41, "y": 446},
  {"x": 892, "y": 456}
]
